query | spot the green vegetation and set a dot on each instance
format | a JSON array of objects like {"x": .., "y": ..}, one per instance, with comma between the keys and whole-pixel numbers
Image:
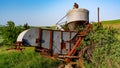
[
  {"x": 10, "y": 32},
  {"x": 47, "y": 27},
  {"x": 103, "y": 48},
  {"x": 111, "y": 23},
  {"x": 26, "y": 59}
]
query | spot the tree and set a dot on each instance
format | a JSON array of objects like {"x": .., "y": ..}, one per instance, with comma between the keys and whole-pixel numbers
[
  {"x": 10, "y": 33},
  {"x": 26, "y": 26}
]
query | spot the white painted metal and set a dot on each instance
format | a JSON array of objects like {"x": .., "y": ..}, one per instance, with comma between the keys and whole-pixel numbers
[
  {"x": 29, "y": 36},
  {"x": 21, "y": 35}
]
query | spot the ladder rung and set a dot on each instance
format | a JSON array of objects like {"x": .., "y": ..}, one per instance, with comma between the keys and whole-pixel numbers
[{"x": 81, "y": 35}]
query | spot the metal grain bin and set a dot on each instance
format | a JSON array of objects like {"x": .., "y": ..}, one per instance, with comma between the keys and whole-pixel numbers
[{"x": 76, "y": 17}]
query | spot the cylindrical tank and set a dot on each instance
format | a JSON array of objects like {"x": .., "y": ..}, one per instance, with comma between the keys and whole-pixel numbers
[{"x": 76, "y": 17}]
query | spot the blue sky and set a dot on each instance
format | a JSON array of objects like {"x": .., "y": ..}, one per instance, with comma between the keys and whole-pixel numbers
[{"x": 48, "y": 12}]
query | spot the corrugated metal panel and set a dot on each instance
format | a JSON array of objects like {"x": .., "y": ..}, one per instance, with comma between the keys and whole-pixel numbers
[
  {"x": 77, "y": 15},
  {"x": 66, "y": 37},
  {"x": 56, "y": 41},
  {"x": 29, "y": 38},
  {"x": 72, "y": 36},
  {"x": 45, "y": 38}
]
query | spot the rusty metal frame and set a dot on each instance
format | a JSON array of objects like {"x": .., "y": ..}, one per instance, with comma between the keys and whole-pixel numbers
[
  {"x": 51, "y": 43},
  {"x": 78, "y": 42},
  {"x": 38, "y": 40},
  {"x": 61, "y": 33},
  {"x": 70, "y": 43}
]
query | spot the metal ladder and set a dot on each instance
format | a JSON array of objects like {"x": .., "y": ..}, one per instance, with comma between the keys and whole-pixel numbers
[{"x": 80, "y": 35}]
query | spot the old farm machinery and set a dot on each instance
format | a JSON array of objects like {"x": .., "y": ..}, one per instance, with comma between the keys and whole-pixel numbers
[{"x": 60, "y": 44}]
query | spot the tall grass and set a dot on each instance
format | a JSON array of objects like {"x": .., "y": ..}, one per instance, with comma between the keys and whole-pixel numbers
[{"x": 26, "y": 59}]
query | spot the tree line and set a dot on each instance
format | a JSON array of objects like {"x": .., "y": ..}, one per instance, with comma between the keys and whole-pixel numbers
[{"x": 10, "y": 32}]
